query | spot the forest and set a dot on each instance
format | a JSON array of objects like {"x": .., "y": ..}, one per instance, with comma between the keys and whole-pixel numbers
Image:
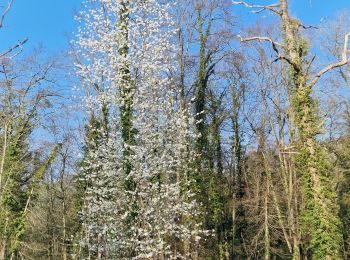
[{"x": 185, "y": 129}]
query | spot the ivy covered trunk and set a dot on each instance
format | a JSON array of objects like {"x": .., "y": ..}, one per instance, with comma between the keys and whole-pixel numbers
[
  {"x": 20, "y": 174},
  {"x": 320, "y": 220},
  {"x": 320, "y": 224},
  {"x": 206, "y": 179},
  {"x": 125, "y": 84}
]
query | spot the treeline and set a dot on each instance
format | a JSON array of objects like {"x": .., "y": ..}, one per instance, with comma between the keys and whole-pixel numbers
[{"x": 177, "y": 137}]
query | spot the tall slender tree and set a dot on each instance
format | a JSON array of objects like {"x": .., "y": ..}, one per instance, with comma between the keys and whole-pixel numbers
[{"x": 127, "y": 54}]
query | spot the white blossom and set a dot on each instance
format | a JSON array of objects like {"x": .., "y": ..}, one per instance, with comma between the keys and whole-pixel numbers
[{"x": 161, "y": 205}]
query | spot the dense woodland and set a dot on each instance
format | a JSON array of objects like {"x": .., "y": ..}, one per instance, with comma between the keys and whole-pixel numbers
[{"x": 178, "y": 130}]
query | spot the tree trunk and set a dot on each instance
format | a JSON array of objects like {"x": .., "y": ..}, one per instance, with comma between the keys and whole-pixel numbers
[{"x": 320, "y": 208}]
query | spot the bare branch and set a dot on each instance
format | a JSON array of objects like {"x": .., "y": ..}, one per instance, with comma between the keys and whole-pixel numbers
[
  {"x": 310, "y": 64},
  {"x": 5, "y": 13},
  {"x": 261, "y": 38},
  {"x": 341, "y": 63},
  {"x": 284, "y": 58},
  {"x": 18, "y": 45},
  {"x": 261, "y": 8},
  {"x": 307, "y": 26},
  {"x": 274, "y": 45}
]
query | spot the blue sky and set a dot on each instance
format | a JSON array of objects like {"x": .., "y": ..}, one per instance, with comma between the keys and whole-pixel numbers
[
  {"x": 311, "y": 11},
  {"x": 48, "y": 22},
  {"x": 45, "y": 22}
]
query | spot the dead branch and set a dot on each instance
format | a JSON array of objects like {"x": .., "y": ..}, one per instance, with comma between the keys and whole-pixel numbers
[
  {"x": 5, "y": 13},
  {"x": 261, "y": 38},
  {"x": 261, "y": 8},
  {"x": 307, "y": 26},
  {"x": 18, "y": 45},
  {"x": 274, "y": 45},
  {"x": 289, "y": 61},
  {"x": 332, "y": 66}
]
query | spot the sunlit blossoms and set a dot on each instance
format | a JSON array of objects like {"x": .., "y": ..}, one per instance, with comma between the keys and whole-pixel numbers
[{"x": 137, "y": 200}]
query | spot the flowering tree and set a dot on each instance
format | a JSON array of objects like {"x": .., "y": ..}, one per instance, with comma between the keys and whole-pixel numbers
[{"x": 137, "y": 202}]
